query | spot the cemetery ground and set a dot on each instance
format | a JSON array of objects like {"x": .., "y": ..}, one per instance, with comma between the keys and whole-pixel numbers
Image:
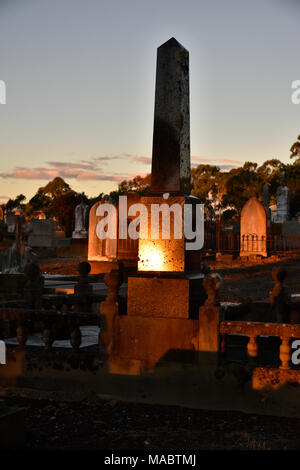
[
  {"x": 91, "y": 423},
  {"x": 248, "y": 281},
  {"x": 96, "y": 424}
]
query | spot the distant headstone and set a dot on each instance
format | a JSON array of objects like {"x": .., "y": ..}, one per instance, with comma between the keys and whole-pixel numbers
[
  {"x": 11, "y": 222},
  {"x": 171, "y": 135},
  {"x": 19, "y": 255},
  {"x": 81, "y": 221},
  {"x": 253, "y": 229},
  {"x": 42, "y": 234},
  {"x": 283, "y": 201}
]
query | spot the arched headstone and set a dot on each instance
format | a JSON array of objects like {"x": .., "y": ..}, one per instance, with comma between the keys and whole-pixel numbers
[
  {"x": 253, "y": 229},
  {"x": 81, "y": 221},
  {"x": 100, "y": 250}
]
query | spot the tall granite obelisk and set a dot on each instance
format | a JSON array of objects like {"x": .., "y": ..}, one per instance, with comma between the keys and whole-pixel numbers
[
  {"x": 171, "y": 134},
  {"x": 168, "y": 282}
]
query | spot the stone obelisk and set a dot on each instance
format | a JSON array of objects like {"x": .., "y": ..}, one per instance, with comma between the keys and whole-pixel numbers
[{"x": 171, "y": 134}]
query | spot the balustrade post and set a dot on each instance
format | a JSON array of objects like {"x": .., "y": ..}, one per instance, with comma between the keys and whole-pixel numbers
[
  {"x": 285, "y": 353},
  {"x": 75, "y": 337},
  {"x": 252, "y": 347},
  {"x": 22, "y": 334},
  {"x": 48, "y": 336}
]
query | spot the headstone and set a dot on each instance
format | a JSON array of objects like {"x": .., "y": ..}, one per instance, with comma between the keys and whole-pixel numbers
[
  {"x": 100, "y": 250},
  {"x": 171, "y": 136},
  {"x": 283, "y": 201},
  {"x": 42, "y": 234},
  {"x": 19, "y": 255},
  {"x": 11, "y": 222},
  {"x": 253, "y": 229},
  {"x": 170, "y": 174},
  {"x": 81, "y": 221}
]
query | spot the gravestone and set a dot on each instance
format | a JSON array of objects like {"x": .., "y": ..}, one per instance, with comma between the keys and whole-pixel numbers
[
  {"x": 176, "y": 292},
  {"x": 253, "y": 229},
  {"x": 170, "y": 175},
  {"x": 81, "y": 221},
  {"x": 42, "y": 234},
  {"x": 19, "y": 255},
  {"x": 11, "y": 222},
  {"x": 283, "y": 201},
  {"x": 109, "y": 250},
  {"x": 171, "y": 134},
  {"x": 100, "y": 250}
]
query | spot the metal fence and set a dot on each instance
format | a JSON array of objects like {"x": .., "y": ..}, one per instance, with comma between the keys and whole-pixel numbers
[{"x": 230, "y": 242}]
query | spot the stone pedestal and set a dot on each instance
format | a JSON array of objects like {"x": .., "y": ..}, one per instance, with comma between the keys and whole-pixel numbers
[
  {"x": 80, "y": 234},
  {"x": 165, "y": 252},
  {"x": 165, "y": 296}
]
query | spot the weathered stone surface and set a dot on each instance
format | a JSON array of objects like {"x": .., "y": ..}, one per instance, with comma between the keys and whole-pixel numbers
[
  {"x": 81, "y": 221},
  {"x": 111, "y": 249},
  {"x": 19, "y": 254},
  {"x": 283, "y": 201},
  {"x": 99, "y": 250},
  {"x": 151, "y": 339},
  {"x": 162, "y": 254},
  {"x": 171, "y": 136},
  {"x": 164, "y": 297},
  {"x": 166, "y": 253},
  {"x": 253, "y": 229}
]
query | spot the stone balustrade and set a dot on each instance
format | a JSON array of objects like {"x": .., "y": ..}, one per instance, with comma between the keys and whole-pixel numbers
[
  {"x": 255, "y": 329},
  {"x": 51, "y": 322}
]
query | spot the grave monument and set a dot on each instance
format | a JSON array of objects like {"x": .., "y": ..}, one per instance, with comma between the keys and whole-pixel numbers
[
  {"x": 81, "y": 221},
  {"x": 283, "y": 201},
  {"x": 165, "y": 294},
  {"x": 253, "y": 229}
]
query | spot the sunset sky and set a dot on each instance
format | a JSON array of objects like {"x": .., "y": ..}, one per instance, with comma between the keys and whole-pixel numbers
[{"x": 80, "y": 78}]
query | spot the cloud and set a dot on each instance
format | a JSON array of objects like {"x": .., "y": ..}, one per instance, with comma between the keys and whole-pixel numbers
[
  {"x": 145, "y": 160},
  {"x": 90, "y": 170},
  {"x": 216, "y": 161},
  {"x": 64, "y": 170},
  {"x": 81, "y": 170}
]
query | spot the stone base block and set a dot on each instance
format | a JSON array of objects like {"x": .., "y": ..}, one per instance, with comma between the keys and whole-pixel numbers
[
  {"x": 80, "y": 234},
  {"x": 172, "y": 297}
]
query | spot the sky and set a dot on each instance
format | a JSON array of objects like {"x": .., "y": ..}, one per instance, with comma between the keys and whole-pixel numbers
[{"x": 80, "y": 84}]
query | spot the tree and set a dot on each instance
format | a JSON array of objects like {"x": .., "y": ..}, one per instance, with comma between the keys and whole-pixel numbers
[
  {"x": 57, "y": 201},
  {"x": 63, "y": 209},
  {"x": 139, "y": 184},
  {"x": 40, "y": 202},
  {"x": 242, "y": 184},
  {"x": 56, "y": 187},
  {"x": 17, "y": 203}
]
